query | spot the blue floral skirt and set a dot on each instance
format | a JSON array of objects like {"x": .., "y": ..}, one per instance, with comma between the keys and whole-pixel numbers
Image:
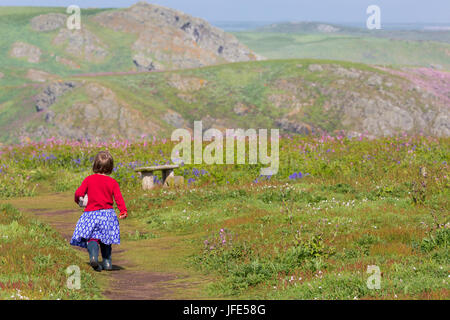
[{"x": 101, "y": 224}]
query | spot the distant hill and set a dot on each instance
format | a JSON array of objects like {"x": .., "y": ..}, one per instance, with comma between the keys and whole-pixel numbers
[
  {"x": 304, "y": 27},
  {"x": 316, "y": 40},
  {"x": 430, "y": 34},
  {"x": 369, "y": 50},
  {"x": 297, "y": 96}
]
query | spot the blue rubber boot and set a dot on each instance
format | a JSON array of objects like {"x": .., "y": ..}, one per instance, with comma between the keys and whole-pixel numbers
[
  {"x": 106, "y": 255},
  {"x": 92, "y": 248}
]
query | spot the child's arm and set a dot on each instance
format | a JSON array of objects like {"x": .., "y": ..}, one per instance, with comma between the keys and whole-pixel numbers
[
  {"x": 81, "y": 191},
  {"x": 119, "y": 201},
  {"x": 123, "y": 215}
]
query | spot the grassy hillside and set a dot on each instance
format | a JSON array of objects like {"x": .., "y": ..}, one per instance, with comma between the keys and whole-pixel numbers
[
  {"x": 348, "y": 47},
  {"x": 15, "y": 27},
  {"x": 298, "y": 96}
]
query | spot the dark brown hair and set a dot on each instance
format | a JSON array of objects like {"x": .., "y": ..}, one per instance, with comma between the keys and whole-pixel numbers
[{"x": 103, "y": 163}]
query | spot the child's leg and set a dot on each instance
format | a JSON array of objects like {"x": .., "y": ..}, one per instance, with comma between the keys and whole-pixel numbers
[
  {"x": 106, "y": 255},
  {"x": 106, "y": 250},
  {"x": 92, "y": 248},
  {"x": 96, "y": 240}
]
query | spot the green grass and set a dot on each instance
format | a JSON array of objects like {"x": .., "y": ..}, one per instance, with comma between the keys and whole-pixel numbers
[
  {"x": 33, "y": 261},
  {"x": 280, "y": 238},
  {"x": 312, "y": 244}
]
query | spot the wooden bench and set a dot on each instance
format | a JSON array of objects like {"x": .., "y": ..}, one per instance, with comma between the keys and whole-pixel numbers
[{"x": 148, "y": 174}]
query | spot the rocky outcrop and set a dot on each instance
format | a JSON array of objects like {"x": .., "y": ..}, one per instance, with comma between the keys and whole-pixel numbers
[
  {"x": 48, "y": 22},
  {"x": 441, "y": 124},
  {"x": 170, "y": 39},
  {"x": 174, "y": 119},
  {"x": 364, "y": 101},
  {"x": 387, "y": 114},
  {"x": 351, "y": 73},
  {"x": 27, "y": 51},
  {"x": 375, "y": 80},
  {"x": 82, "y": 44},
  {"x": 294, "y": 126},
  {"x": 145, "y": 63},
  {"x": 50, "y": 94},
  {"x": 284, "y": 101},
  {"x": 102, "y": 116},
  {"x": 315, "y": 68}
]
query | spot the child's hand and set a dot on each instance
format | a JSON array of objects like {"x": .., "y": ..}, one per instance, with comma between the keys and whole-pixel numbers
[
  {"x": 83, "y": 201},
  {"x": 123, "y": 215}
]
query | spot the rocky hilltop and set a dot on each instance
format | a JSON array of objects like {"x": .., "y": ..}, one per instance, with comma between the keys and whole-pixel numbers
[
  {"x": 168, "y": 38},
  {"x": 143, "y": 37}
]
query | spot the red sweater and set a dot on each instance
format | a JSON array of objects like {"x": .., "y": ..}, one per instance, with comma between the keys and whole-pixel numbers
[{"x": 100, "y": 190}]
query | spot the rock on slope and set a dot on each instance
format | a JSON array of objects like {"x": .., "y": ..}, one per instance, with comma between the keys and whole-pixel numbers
[
  {"x": 81, "y": 43},
  {"x": 48, "y": 22},
  {"x": 99, "y": 114},
  {"x": 170, "y": 39},
  {"x": 365, "y": 101},
  {"x": 25, "y": 50}
]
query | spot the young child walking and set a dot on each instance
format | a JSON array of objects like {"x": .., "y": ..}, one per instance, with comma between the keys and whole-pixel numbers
[{"x": 98, "y": 226}]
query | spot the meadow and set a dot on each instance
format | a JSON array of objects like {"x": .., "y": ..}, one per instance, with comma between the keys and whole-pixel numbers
[{"x": 337, "y": 205}]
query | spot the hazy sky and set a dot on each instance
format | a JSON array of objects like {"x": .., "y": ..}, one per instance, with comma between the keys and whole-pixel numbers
[{"x": 406, "y": 11}]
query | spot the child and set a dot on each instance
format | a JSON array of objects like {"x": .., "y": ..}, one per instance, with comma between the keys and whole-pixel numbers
[{"x": 98, "y": 226}]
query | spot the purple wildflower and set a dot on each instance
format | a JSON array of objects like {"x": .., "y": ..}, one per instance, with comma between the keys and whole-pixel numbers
[{"x": 195, "y": 172}]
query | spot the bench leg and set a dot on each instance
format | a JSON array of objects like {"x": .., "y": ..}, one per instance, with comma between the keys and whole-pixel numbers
[
  {"x": 147, "y": 180},
  {"x": 165, "y": 175}
]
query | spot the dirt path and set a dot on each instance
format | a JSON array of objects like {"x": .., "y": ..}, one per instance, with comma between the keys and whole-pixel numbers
[{"x": 142, "y": 270}]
